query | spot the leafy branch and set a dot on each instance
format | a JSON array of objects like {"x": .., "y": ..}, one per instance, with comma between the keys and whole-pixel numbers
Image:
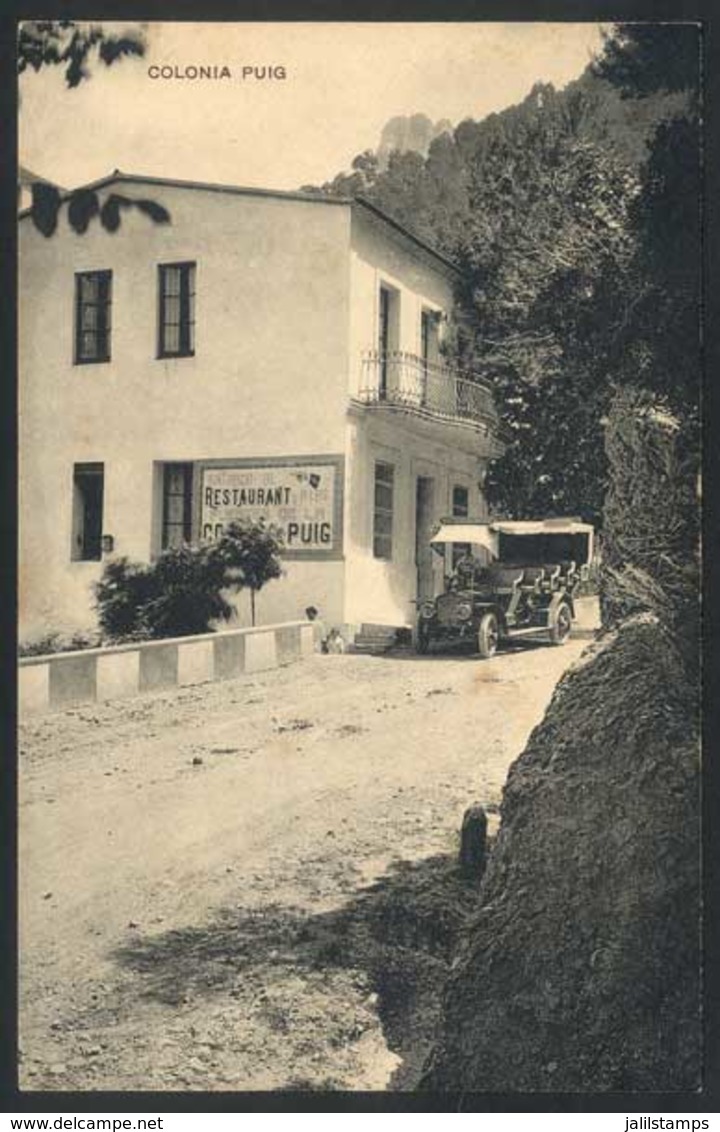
[{"x": 71, "y": 45}]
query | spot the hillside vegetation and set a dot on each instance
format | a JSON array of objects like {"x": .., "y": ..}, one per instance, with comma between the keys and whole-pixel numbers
[{"x": 575, "y": 219}]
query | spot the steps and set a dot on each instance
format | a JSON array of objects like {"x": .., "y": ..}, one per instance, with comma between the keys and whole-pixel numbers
[{"x": 377, "y": 639}]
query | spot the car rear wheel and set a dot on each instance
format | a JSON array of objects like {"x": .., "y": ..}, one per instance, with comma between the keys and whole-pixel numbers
[
  {"x": 488, "y": 635},
  {"x": 561, "y": 624}
]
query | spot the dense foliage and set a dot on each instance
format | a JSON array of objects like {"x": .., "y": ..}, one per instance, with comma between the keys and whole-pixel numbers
[
  {"x": 575, "y": 219},
  {"x": 186, "y": 589}
]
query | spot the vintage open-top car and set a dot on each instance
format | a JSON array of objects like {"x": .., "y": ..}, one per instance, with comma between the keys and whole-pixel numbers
[{"x": 515, "y": 579}]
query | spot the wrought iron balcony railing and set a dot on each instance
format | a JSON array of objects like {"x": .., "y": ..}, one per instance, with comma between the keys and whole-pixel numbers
[{"x": 407, "y": 381}]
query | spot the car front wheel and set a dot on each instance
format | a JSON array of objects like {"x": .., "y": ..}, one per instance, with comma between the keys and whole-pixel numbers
[
  {"x": 561, "y": 624},
  {"x": 488, "y": 635}
]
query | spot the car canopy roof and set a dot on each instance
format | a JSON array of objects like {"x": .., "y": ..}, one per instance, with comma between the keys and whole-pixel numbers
[
  {"x": 462, "y": 530},
  {"x": 485, "y": 533},
  {"x": 541, "y": 527}
]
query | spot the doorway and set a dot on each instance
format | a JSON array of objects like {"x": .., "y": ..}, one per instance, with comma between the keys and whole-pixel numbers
[
  {"x": 429, "y": 351},
  {"x": 388, "y": 332},
  {"x": 424, "y": 492}
]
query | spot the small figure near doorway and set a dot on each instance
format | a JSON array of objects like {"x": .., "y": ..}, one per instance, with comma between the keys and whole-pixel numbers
[{"x": 334, "y": 642}]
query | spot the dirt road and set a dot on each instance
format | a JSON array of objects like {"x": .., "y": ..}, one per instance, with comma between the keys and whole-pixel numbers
[{"x": 250, "y": 885}]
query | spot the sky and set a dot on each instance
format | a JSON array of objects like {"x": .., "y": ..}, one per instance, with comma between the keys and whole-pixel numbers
[{"x": 343, "y": 82}]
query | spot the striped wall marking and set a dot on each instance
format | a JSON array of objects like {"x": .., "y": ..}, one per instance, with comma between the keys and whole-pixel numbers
[
  {"x": 158, "y": 667},
  {"x": 195, "y": 662},
  {"x": 228, "y": 656},
  {"x": 118, "y": 674},
  {"x": 73, "y": 680},
  {"x": 307, "y": 639},
  {"x": 260, "y": 652},
  {"x": 288, "y": 644},
  {"x": 59, "y": 680},
  {"x": 34, "y": 688}
]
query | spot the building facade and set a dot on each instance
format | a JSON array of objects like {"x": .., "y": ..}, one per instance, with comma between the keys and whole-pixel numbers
[{"x": 262, "y": 354}]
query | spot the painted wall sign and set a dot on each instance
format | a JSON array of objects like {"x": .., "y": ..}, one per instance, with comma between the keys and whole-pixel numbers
[{"x": 299, "y": 499}]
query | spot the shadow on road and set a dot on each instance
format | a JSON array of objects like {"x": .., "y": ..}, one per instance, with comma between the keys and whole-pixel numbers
[{"x": 400, "y": 933}]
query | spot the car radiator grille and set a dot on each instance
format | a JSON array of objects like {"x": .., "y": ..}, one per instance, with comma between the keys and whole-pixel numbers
[{"x": 447, "y": 608}]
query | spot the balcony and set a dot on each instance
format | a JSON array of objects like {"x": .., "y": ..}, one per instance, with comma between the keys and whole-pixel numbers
[{"x": 404, "y": 381}]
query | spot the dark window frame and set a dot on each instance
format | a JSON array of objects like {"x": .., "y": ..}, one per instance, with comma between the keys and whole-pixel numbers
[
  {"x": 186, "y": 469},
  {"x": 90, "y": 549},
  {"x": 388, "y": 331},
  {"x": 186, "y": 314},
  {"x": 103, "y": 329},
  {"x": 383, "y": 537},
  {"x": 426, "y": 328},
  {"x": 460, "y": 507},
  {"x": 384, "y": 301}
]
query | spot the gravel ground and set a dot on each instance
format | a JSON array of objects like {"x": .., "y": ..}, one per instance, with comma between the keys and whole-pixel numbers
[{"x": 250, "y": 885}]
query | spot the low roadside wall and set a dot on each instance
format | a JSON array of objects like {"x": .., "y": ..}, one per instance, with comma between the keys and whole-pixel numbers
[{"x": 48, "y": 683}]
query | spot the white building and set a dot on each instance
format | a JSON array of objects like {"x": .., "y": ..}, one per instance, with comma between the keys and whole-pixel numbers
[{"x": 264, "y": 353}]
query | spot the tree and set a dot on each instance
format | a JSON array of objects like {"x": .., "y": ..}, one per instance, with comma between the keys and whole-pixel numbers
[
  {"x": 250, "y": 557},
  {"x": 598, "y": 290},
  {"x": 657, "y": 341},
  {"x": 72, "y": 46},
  {"x": 642, "y": 59},
  {"x": 548, "y": 241},
  {"x": 653, "y": 433}
]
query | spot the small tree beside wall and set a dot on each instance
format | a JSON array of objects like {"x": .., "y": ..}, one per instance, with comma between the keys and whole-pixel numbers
[
  {"x": 186, "y": 589},
  {"x": 249, "y": 554}
]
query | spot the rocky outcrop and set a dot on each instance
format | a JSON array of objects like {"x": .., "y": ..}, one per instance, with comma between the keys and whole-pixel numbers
[
  {"x": 580, "y": 971},
  {"x": 414, "y": 132}
]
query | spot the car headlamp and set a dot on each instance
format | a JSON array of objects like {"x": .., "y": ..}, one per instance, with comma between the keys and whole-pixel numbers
[
  {"x": 427, "y": 610},
  {"x": 464, "y": 610}
]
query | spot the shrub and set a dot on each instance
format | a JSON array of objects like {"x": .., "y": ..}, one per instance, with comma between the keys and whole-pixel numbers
[
  {"x": 183, "y": 591},
  {"x": 54, "y": 641},
  {"x": 120, "y": 596}
]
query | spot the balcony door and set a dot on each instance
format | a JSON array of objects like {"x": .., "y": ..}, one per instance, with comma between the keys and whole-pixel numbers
[
  {"x": 424, "y": 493},
  {"x": 388, "y": 332},
  {"x": 429, "y": 350}
]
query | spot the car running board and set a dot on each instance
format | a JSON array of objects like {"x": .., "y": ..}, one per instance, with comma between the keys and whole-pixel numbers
[{"x": 527, "y": 632}]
